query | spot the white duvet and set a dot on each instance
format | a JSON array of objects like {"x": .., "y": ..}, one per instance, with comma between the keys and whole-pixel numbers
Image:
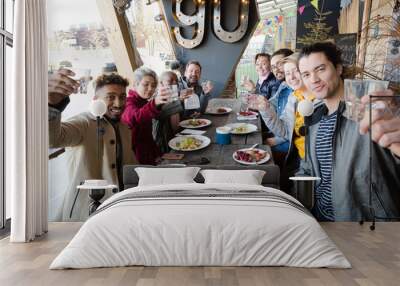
[{"x": 190, "y": 231}]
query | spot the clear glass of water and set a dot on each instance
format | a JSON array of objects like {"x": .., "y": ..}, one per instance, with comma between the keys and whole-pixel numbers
[
  {"x": 174, "y": 92},
  {"x": 83, "y": 76},
  {"x": 354, "y": 90},
  {"x": 244, "y": 101},
  {"x": 84, "y": 81}
]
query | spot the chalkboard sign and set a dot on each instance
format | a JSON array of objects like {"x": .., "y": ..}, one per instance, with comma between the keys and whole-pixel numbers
[{"x": 347, "y": 43}]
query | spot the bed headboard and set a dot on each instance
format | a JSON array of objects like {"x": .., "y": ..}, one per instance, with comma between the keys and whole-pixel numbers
[{"x": 270, "y": 179}]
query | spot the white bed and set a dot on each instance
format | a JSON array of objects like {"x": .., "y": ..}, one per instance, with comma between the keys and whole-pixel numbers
[{"x": 201, "y": 225}]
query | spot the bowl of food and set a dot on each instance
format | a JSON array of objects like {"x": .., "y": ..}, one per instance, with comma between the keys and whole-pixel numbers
[
  {"x": 253, "y": 156},
  {"x": 189, "y": 142}
]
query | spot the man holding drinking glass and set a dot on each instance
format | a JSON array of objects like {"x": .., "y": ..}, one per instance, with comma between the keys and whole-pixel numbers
[
  {"x": 190, "y": 86},
  {"x": 79, "y": 136},
  {"x": 339, "y": 153},
  {"x": 267, "y": 84}
]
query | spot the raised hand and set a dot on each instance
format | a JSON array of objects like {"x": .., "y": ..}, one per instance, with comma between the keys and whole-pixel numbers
[
  {"x": 61, "y": 85},
  {"x": 207, "y": 87},
  {"x": 385, "y": 126},
  {"x": 248, "y": 84},
  {"x": 258, "y": 102},
  {"x": 163, "y": 96},
  {"x": 185, "y": 93}
]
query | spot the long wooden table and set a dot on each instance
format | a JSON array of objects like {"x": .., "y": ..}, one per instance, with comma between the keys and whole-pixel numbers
[
  {"x": 222, "y": 154},
  {"x": 224, "y": 119}
]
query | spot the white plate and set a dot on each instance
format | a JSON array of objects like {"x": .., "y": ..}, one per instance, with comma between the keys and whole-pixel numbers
[
  {"x": 249, "y": 128},
  {"x": 186, "y": 123},
  {"x": 214, "y": 110},
  {"x": 205, "y": 141},
  {"x": 262, "y": 161}
]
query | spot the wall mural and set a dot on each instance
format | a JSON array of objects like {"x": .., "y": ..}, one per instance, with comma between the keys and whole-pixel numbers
[{"x": 197, "y": 22}]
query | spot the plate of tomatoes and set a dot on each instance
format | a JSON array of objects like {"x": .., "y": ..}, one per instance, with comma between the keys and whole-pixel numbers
[{"x": 252, "y": 156}]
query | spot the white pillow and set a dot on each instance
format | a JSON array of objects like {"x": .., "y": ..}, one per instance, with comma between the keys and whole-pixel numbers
[
  {"x": 166, "y": 176},
  {"x": 247, "y": 177}
]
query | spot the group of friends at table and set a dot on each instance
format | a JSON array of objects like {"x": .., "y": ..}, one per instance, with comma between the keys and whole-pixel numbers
[{"x": 139, "y": 123}]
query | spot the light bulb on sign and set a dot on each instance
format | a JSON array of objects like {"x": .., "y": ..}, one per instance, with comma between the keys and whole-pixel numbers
[
  {"x": 98, "y": 108},
  {"x": 305, "y": 107}
]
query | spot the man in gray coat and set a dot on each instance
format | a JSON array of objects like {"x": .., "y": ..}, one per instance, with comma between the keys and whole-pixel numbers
[
  {"x": 339, "y": 153},
  {"x": 79, "y": 137}
]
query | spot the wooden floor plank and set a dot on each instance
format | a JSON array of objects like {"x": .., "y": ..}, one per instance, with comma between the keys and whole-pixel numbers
[{"x": 374, "y": 255}]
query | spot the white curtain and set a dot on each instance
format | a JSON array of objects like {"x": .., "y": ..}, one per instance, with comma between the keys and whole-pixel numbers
[{"x": 27, "y": 123}]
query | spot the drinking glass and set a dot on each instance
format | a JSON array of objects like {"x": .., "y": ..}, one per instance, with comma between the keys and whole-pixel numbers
[
  {"x": 372, "y": 85},
  {"x": 83, "y": 77},
  {"x": 354, "y": 90},
  {"x": 244, "y": 101},
  {"x": 187, "y": 91},
  {"x": 174, "y": 93},
  {"x": 166, "y": 89}
]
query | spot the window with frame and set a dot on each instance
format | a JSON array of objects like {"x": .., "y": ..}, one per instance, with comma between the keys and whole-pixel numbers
[
  {"x": 6, "y": 45},
  {"x": 150, "y": 35}
]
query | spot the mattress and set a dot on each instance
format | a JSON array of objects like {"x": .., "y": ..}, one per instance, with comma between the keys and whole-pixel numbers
[{"x": 201, "y": 225}]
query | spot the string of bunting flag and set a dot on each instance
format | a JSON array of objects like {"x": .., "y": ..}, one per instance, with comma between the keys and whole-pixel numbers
[
  {"x": 312, "y": 2},
  {"x": 269, "y": 26}
]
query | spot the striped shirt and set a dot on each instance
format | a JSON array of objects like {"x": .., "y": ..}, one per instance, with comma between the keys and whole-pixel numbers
[{"x": 323, "y": 209}]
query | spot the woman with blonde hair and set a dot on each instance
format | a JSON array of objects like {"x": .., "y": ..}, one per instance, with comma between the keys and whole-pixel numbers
[{"x": 290, "y": 124}]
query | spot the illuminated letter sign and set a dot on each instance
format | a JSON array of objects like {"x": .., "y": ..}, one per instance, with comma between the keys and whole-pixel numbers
[
  {"x": 197, "y": 20},
  {"x": 198, "y": 23},
  {"x": 235, "y": 36}
]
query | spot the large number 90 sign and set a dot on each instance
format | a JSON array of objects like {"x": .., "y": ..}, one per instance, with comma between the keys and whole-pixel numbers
[{"x": 198, "y": 21}]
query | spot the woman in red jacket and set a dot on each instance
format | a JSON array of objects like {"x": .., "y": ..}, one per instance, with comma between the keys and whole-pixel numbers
[{"x": 141, "y": 107}]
